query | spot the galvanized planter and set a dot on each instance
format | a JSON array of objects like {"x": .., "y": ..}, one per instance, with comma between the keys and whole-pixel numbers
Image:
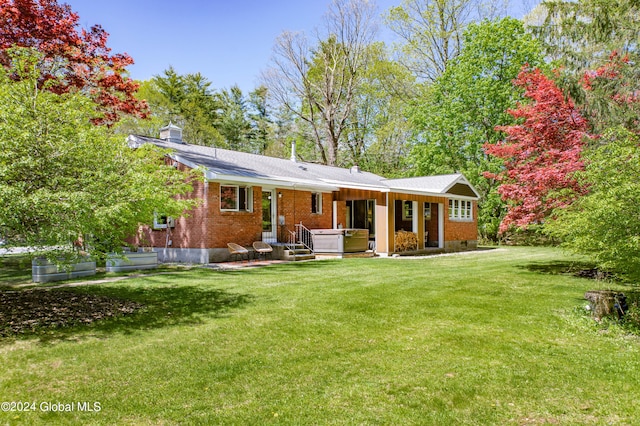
[
  {"x": 132, "y": 261},
  {"x": 44, "y": 271}
]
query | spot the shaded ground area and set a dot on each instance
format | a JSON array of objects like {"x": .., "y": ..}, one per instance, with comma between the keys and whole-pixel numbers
[
  {"x": 26, "y": 311},
  {"x": 163, "y": 300},
  {"x": 575, "y": 268}
]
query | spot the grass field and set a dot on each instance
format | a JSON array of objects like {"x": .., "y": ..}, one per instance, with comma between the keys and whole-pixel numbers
[{"x": 494, "y": 337}]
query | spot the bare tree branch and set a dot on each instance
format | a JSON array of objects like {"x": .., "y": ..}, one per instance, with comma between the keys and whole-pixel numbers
[{"x": 318, "y": 82}]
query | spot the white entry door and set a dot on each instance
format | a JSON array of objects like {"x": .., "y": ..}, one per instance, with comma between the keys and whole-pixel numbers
[{"x": 269, "y": 228}]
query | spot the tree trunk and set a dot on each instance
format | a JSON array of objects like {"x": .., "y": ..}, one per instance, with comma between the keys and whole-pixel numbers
[{"x": 606, "y": 303}]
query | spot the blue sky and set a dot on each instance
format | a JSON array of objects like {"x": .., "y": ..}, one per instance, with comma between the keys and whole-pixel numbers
[{"x": 228, "y": 41}]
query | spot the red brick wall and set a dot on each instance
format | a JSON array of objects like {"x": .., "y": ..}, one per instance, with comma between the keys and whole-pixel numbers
[
  {"x": 189, "y": 232},
  {"x": 295, "y": 206},
  {"x": 233, "y": 227},
  {"x": 209, "y": 227},
  {"x": 461, "y": 230}
]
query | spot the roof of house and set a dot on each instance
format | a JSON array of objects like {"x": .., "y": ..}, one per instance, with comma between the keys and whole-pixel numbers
[
  {"x": 233, "y": 166},
  {"x": 454, "y": 184}
]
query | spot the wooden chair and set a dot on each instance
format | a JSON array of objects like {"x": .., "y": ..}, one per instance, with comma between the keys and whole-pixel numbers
[
  {"x": 263, "y": 249},
  {"x": 237, "y": 250}
]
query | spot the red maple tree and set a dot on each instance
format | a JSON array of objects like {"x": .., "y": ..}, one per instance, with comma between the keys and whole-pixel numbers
[
  {"x": 541, "y": 154},
  {"x": 75, "y": 59}
]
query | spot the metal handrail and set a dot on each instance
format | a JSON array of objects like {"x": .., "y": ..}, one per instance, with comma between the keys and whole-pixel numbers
[
  {"x": 292, "y": 240},
  {"x": 304, "y": 236}
]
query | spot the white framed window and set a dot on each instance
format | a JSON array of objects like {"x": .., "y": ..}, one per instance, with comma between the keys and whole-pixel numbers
[
  {"x": 316, "y": 202},
  {"x": 235, "y": 198},
  {"x": 161, "y": 221},
  {"x": 407, "y": 210},
  {"x": 461, "y": 210}
]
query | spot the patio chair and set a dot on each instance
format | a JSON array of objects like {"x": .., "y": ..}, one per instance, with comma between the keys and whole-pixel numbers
[
  {"x": 237, "y": 250},
  {"x": 263, "y": 249}
]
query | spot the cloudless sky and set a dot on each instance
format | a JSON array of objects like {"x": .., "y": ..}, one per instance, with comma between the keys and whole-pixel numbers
[{"x": 228, "y": 41}]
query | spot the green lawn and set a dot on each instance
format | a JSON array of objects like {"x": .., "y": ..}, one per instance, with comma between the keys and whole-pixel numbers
[{"x": 494, "y": 337}]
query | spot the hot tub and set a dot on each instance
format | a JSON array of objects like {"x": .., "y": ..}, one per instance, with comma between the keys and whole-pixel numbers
[{"x": 340, "y": 240}]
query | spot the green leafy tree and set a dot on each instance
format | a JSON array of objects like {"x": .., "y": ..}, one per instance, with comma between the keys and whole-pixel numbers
[
  {"x": 596, "y": 44},
  {"x": 261, "y": 120},
  {"x": 377, "y": 132},
  {"x": 67, "y": 183},
  {"x": 606, "y": 223},
  {"x": 459, "y": 112},
  {"x": 284, "y": 132},
  {"x": 157, "y": 118},
  {"x": 234, "y": 124},
  {"x": 186, "y": 100}
]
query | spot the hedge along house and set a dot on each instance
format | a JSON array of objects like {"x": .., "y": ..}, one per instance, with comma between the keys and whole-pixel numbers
[{"x": 248, "y": 197}]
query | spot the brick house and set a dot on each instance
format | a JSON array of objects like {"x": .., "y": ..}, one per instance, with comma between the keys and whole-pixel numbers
[{"x": 248, "y": 197}]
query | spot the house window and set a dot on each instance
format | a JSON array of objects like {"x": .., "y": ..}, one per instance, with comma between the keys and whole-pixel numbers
[
  {"x": 467, "y": 211},
  {"x": 407, "y": 210},
  {"x": 316, "y": 202},
  {"x": 161, "y": 221},
  {"x": 236, "y": 198},
  {"x": 460, "y": 210}
]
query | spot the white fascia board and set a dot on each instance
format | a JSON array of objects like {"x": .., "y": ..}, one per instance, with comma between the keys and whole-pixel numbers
[
  {"x": 347, "y": 185},
  {"x": 417, "y": 192},
  {"x": 273, "y": 182}
]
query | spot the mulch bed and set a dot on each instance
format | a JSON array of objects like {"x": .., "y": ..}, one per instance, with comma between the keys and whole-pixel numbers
[{"x": 29, "y": 311}]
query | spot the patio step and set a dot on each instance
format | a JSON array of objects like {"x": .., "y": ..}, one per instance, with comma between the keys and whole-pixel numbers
[{"x": 299, "y": 252}]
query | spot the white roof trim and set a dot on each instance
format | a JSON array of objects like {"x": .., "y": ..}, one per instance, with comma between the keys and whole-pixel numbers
[
  {"x": 342, "y": 184},
  {"x": 280, "y": 183},
  {"x": 417, "y": 192}
]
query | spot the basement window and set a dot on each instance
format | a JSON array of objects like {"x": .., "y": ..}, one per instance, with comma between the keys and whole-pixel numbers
[{"x": 235, "y": 198}]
